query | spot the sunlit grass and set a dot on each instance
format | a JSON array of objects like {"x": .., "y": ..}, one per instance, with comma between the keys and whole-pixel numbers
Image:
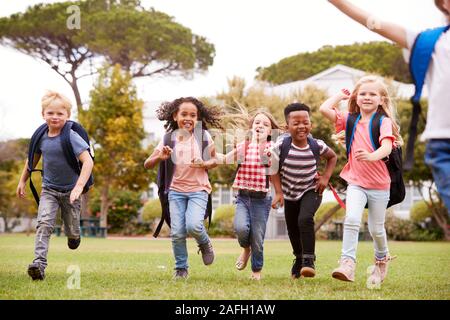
[{"x": 142, "y": 269}]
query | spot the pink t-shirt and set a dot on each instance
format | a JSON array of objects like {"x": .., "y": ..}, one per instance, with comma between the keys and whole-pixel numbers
[
  {"x": 369, "y": 175},
  {"x": 185, "y": 178}
]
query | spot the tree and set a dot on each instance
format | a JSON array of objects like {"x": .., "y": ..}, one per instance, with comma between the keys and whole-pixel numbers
[
  {"x": 114, "y": 122},
  {"x": 378, "y": 57},
  {"x": 12, "y": 160},
  {"x": 144, "y": 42}
]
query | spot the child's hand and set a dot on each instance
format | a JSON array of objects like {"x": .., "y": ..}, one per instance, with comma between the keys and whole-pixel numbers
[
  {"x": 75, "y": 193},
  {"x": 344, "y": 94},
  {"x": 20, "y": 192},
  {"x": 322, "y": 183},
  {"x": 278, "y": 201},
  {"x": 363, "y": 155},
  {"x": 266, "y": 156},
  {"x": 198, "y": 163},
  {"x": 165, "y": 153}
]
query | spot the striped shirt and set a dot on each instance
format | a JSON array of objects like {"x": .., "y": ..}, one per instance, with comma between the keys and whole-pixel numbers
[{"x": 299, "y": 170}]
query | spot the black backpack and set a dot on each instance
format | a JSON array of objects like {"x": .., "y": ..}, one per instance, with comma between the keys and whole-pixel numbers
[
  {"x": 393, "y": 161},
  {"x": 69, "y": 154},
  {"x": 286, "y": 145},
  {"x": 164, "y": 179}
]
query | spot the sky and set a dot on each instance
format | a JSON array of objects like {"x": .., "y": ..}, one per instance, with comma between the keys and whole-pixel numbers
[{"x": 246, "y": 34}]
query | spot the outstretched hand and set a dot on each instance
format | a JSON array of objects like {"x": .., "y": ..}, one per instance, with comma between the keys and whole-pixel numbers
[{"x": 165, "y": 153}]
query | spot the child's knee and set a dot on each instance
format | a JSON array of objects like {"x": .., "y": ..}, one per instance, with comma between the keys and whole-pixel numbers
[
  {"x": 194, "y": 229},
  {"x": 242, "y": 231},
  {"x": 177, "y": 235},
  {"x": 377, "y": 232},
  {"x": 351, "y": 221}
]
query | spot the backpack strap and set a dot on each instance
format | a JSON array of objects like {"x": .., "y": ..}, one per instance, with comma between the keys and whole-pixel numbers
[
  {"x": 163, "y": 180},
  {"x": 284, "y": 151},
  {"x": 69, "y": 153},
  {"x": 315, "y": 148},
  {"x": 32, "y": 148},
  {"x": 350, "y": 127},
  {"x": 204, "y": 148},
  {"x": 421, "y": 54},
  {"x": 67, "y": 148}
]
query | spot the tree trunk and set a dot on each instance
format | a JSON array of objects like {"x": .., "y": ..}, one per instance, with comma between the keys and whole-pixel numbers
[
  {"x": 77, "y": 94},
  {"x": 104, "y": 206},
  {"x": 440, "y": 215},
  {"x": 326, "y": 217}
]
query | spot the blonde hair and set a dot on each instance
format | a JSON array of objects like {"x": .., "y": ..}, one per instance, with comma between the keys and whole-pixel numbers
[
  {"x": 53, "y": 96},
  {"x": 273, "y": 122},
  {"x": 386, "y": 107}
]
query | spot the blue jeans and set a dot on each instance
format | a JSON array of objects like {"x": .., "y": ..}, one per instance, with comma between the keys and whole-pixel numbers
[
  {"x": 357, "y": 197},
  {"x": 187, "y": 212},
  {"x": 437, "y": 156},
  {"x": 250, "y": 222}
]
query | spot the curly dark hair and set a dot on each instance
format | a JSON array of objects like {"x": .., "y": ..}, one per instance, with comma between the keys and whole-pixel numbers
[{"x": 207, "y": 115}]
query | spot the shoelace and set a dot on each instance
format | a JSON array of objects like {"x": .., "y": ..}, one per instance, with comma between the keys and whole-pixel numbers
[{"x": 385, "y": 260}]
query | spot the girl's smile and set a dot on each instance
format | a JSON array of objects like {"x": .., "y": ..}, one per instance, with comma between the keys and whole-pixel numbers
[
  {"x": 368, "y": 98},
  {"x": 186, "y": 116}
]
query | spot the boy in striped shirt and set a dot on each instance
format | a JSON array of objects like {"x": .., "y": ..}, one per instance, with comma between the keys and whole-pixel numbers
[{"x": 298, "y": 185}]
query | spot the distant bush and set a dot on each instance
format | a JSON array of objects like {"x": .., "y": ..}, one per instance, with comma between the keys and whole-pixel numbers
[
  {"x": 222, "y": 222},
  {"x": 407, "y": 230},
  {"x": 420, "y": 211},
  {"x": 152, "y": 210},
  {"x": 399, "y": 229}
]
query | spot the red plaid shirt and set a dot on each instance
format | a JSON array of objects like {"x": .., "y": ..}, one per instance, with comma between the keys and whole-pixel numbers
[{"x": 252, "y": 173}]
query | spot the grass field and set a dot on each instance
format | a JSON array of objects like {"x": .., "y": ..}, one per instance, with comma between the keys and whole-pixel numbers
[{"x": 142, "y": 269}]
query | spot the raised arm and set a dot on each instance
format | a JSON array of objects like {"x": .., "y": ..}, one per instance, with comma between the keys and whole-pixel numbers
[
  {"x": 389, "y": 30},
  {"x": 327, "y": 108}
]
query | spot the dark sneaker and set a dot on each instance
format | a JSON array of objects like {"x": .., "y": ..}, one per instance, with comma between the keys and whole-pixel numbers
[
  {"x": 308, "y": 269},
  {"x": 73, "y": 243},
  {"x": 207, "y": 252},
  {"x": 180, "y": 274},
  {"x": 36, "y": 271},
  {"x": 296, "y": 267}
]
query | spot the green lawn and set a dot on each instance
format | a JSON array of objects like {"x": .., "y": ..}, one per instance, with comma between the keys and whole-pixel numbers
[{"x": 142, "y": 269}]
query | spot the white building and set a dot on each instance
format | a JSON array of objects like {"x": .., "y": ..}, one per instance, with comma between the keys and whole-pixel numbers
[{"x": 334, "y": 79}]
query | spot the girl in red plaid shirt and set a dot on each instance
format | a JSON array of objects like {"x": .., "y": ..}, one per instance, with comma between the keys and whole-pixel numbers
[{"x": 253, "y": 200}]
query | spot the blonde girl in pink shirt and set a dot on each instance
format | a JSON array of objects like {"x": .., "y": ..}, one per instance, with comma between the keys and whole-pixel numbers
[{"x": 365, "y": 172}]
